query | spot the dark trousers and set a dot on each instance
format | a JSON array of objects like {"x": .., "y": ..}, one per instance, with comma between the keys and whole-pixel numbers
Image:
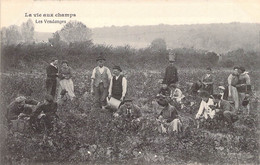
[
  {"x": 51, "y": 86},
  {"x": 100, "y": 93}
]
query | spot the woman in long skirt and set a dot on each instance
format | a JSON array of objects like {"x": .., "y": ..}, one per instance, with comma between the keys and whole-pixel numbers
[
  {"x": 66, "y": 82},
  {"x": 232, "y": 90}
]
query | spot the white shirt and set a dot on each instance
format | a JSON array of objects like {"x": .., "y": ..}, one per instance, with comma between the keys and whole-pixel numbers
[
  {"x": 222, "y": 95},
  {"x": 101, "y": 70},
  {"x": 205, "y": 109},
  {"x": 53, "y": 65},
  {"x": 124, "y": 85}
]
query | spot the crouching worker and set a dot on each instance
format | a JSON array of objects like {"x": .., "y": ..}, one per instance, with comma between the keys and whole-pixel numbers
[
  {"x": 205, "y": 113},
  {"x": 164, "y": 92},
  {"x": 225, "y": 111},
  {"x": 45, "y": 113},
  {"x": 168, "y": 118},
  {"x": 129, "y": 112},
  {"x": 20, "y": 108}
]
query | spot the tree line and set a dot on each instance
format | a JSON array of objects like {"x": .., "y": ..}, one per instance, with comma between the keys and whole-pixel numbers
[{"x": 74, "y": 43}]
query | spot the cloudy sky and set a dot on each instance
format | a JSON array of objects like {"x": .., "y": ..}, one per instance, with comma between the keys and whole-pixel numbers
[{"x": 101, "y": 13}]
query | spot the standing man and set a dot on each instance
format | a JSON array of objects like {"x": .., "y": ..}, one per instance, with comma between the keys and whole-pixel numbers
[
  {"x": 100, "y": 80},
  {"x": 243, "y": 87},
  {"x": 171, "y": 75},
  {"x": 52, "y": 74},
  {"x": 118, "y": 85}
]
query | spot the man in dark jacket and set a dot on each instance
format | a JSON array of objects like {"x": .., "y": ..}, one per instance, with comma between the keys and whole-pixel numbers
[
  {"x": 46, "y": 111},
  {"x": 168, "y": 118},
  {"x": 224, "y": 110},
  {"x": 129, "y": 111},
  {"x": 118, "y": 85},
  {"x": 128, "y": 116},
  {"x": 171, "y": 74},
  {"x": 52, "y": 74}
]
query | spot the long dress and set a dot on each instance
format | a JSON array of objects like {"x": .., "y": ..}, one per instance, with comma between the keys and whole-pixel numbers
[
  {"x": 232, "y": 90},
  {"x": 66, "y": 82}
]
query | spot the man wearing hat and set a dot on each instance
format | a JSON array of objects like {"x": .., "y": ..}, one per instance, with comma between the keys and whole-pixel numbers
[
  {"x": 100, "y": 80},
  {"x": 20, "y": 105},
  {"x": 224, "y": 110},
  {"x": 205, "y": 109},
  {"x": 171, "y": 74},
  {"x": 52, "y": 74},
  {"x": 129, "y": 111},
  {"x": 223, "y": 92},
  {"x": 168, "y": 118},
  {"x": 46, "y": 111},
  {"x": 118, "y": 85}
]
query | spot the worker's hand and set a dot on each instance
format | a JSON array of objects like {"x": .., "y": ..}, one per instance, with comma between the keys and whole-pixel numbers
[
  {"x": 136, "y": 120},
  {"x": 122, "y": 98},
  {"x": 109, "y": 97},
  {"x": 197, "y": 116},
  {"x": 115, "y": 114},
  {"x": 217, "y": 110},
  {"x": 160, "y": 118}
]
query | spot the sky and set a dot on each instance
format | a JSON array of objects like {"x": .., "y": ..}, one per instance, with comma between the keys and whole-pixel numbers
[{"x": 100, "y": 13}]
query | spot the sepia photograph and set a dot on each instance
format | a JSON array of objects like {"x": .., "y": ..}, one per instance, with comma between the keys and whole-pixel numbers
[{"x": 129, "y": 82}]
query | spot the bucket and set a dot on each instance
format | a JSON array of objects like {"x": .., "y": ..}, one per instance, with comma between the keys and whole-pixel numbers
[{"x": 113, "y": 103}]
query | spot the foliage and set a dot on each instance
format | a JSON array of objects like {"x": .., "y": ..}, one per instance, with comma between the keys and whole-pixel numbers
[
  {"x": 93, "y": 136},
  {"x": 75, "y": 31},
  {"x": 11, "y": 35},
  {"x": 158, "y": 45},
  {"x": 27, "y": 31}
]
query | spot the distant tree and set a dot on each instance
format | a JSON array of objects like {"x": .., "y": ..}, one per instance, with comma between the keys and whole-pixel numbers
[
  {"x": 55, "y": 40},
  {"x": 75, "y": 31},
  {"x": 158, "y": 45},
  {"x": 212, "y": 57},
  {"x": 11, "y": 35},
  {"x": 27, "y": 31}
]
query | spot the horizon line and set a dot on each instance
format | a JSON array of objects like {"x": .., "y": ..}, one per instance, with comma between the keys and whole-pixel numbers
[{"x": 160, "y": 24}]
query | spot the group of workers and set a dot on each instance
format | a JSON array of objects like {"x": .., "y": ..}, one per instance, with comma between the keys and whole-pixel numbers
[{"x": 225, "y": 105}]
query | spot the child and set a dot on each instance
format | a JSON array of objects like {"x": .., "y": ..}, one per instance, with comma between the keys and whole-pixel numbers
[
  {"x": 176, "y": 93},
  {"x": 164, "y": 90},
  {"x": 223, "y": 92}
]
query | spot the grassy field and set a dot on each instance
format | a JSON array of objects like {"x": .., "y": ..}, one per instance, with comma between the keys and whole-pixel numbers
[{"x": 90, "y": 136}]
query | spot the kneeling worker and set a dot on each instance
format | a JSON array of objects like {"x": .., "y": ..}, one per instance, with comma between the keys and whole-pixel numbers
[{"x": 168, "y": 118}]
